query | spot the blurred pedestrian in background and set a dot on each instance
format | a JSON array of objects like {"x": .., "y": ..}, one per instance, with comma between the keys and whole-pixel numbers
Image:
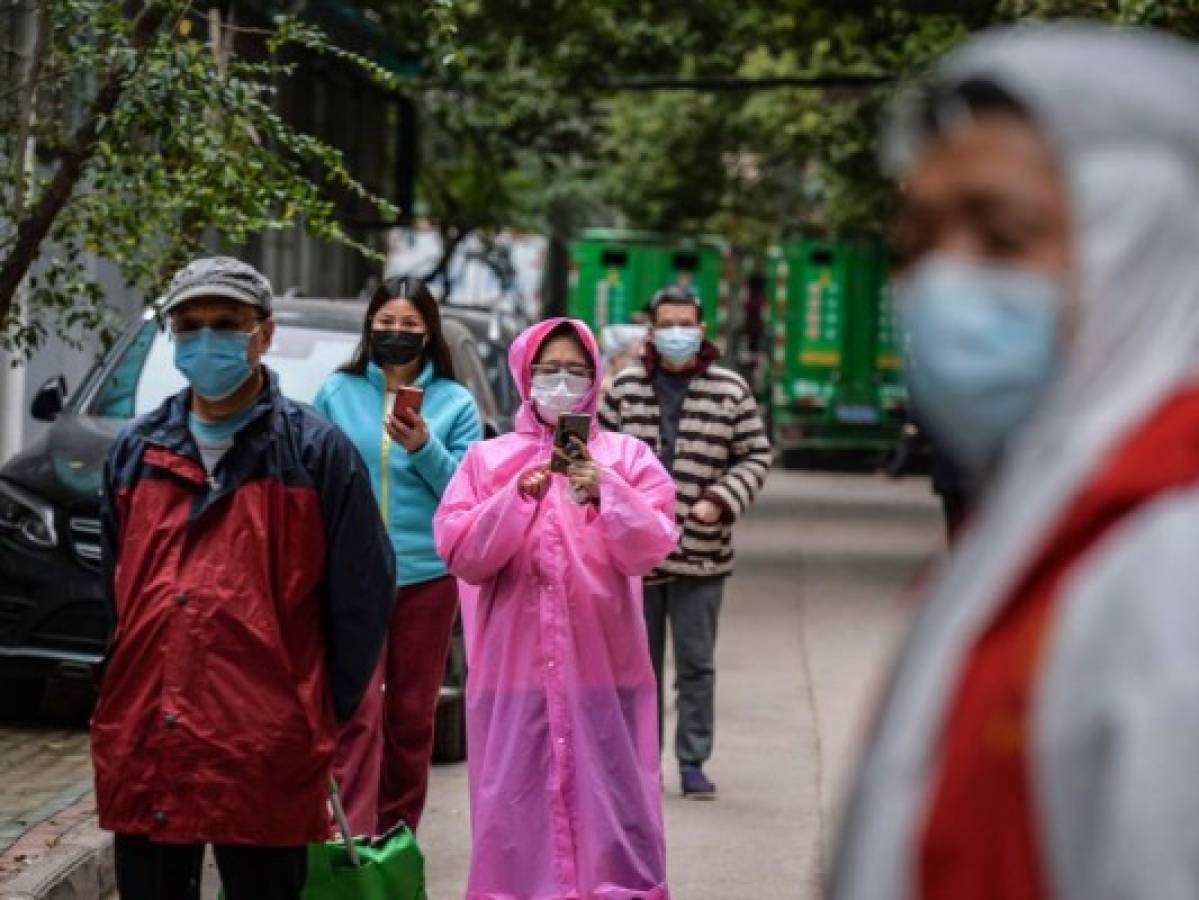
[
  {"x": 384, "y": 753},
  {"x": 703, "y": 422},
  {"x": 622, "y": 346},
  {"x": 1040, "y": 736},
  {"x": 250, "y": 581},
  {"x": 564, "y": 773},
  {"x": 955, "y": 488}
]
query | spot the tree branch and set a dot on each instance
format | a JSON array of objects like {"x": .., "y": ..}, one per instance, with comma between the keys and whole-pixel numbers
[
  {"x": 49, "y": 75},
  {"x": 451, "y": 237},
  {"x": 33, "y": 228}
]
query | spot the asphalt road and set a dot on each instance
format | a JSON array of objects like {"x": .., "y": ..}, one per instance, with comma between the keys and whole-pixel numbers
[{"x": 810, "y": 622}]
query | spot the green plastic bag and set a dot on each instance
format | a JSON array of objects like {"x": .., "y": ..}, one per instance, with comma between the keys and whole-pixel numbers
[{"x": 389, "y": 868}]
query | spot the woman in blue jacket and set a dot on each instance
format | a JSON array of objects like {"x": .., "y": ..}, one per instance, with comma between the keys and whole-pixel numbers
[{"x": 383, "y": 753}]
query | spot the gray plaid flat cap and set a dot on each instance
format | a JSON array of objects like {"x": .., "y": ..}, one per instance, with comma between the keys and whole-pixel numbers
[{"x": 219, "y": 276}]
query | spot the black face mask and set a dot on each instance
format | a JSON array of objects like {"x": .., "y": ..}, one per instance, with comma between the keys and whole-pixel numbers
[{"x": 395, "y": 348}]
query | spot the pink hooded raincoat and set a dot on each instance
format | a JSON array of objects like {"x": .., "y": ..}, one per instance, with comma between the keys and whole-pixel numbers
[{"x": 561, "y": 710}]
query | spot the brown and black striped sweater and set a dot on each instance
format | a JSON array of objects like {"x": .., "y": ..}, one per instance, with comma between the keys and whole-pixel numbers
[{"x": 722, "y": 454}]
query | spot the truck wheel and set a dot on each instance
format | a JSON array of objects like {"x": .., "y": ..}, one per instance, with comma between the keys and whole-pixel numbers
[{"x": 449, "y": 731}]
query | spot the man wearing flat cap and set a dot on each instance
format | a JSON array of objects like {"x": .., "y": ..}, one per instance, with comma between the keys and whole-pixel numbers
[{"x": 250, "y": 583}]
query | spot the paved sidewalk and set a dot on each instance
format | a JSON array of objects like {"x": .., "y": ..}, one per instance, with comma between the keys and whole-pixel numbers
[
  {"x": 42, "y": 772},
  {"x": 48, "y": 836},
  {"x": 44, "y": 836}
]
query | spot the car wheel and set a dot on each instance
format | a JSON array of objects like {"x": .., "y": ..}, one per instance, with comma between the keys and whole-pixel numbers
[
  {"x": 70, "y": 696},
  {"x": 21, "y": 698}
]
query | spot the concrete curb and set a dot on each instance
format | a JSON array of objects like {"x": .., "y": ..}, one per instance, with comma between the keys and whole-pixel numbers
[{"x": 79, "y": 867}]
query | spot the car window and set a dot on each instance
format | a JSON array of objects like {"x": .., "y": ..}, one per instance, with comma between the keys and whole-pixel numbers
[
  {"x": 115, "y": 397},
  {"x": 146, "y": 375},
  {"x": 495, "y": 366},
  {"x": 304, "y": 357},
  {"x": 159, "y": 378},
  {"x": 506, "y": 393},
  {"x": 470, "y": 372}
]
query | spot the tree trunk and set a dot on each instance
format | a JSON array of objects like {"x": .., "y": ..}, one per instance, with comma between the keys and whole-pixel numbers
[
  {"x": 556, "y": 281},
  {"x": 34, "y": 227},
  {"x": 33, "y": 51}
]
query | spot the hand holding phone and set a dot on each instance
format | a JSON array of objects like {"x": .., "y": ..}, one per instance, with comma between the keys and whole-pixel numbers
[
  {"x": 408, "y": 399},
  {"x": 404, "y": 424},
  {"x": 568, "y": 427}
]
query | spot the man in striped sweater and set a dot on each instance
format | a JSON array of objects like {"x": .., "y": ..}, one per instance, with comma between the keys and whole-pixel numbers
[{"x": 703, "y": 423}]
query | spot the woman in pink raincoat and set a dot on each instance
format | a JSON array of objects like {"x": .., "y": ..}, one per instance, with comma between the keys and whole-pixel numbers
[{"x": 561, "y": 704}]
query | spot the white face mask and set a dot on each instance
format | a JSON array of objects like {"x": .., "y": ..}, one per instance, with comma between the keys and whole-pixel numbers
[
  {"x": 558, "y": 393},
  {"x": 678, "y": 344}
]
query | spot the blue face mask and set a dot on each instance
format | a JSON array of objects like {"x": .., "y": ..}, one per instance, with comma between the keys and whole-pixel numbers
[
  {"x": 980, "y": 347},
  {"x": 678, "y": 345},
  {"x": 215, "y": 362}
]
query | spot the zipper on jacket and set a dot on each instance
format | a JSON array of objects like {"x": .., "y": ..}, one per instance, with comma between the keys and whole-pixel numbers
[{"x": 384, "y": 463}]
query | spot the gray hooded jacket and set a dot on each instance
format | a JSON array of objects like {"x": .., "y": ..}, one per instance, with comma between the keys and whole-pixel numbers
[{"x": 1115, "y": 736}]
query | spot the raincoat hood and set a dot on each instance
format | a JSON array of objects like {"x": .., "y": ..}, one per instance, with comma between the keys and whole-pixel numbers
[
  {"x": 1118, "y": 108},
  {"x": 520, "y": 361}
]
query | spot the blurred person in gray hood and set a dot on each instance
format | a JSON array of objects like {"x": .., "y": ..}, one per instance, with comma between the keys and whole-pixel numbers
[{"x": 1041, "y": 733}]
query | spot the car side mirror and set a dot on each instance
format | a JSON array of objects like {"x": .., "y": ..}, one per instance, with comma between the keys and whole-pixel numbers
[{"x": 50, "y": 400}]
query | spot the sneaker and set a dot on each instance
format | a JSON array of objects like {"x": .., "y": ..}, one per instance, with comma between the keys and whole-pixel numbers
[{"x": 696, "y": 785}]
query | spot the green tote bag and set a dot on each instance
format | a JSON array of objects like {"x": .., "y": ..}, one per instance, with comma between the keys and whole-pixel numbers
[{"x": 390, "y": 867}]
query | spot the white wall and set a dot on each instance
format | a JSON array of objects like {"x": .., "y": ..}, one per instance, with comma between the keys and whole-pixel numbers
[{"x": 18, "y": 385}]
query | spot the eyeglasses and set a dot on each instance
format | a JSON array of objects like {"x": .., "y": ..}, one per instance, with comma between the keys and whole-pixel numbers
[
  {"x": 184, "y": 329},
  {"x": 560, "y": 369}
]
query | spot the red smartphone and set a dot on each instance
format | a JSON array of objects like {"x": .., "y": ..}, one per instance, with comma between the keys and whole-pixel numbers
[{"x": 407, "y": 399}]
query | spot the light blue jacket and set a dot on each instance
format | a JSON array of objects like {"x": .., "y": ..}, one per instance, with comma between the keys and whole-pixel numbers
[{"x": 409, "y": 485}]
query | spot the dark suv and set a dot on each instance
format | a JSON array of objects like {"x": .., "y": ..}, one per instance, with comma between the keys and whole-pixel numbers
[{"x": 53, "y": 624}]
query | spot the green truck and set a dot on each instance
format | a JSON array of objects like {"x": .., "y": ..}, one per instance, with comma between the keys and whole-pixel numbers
[
  {"x": 614, "y": 273},
  {"x": 835, "y": 386}
]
